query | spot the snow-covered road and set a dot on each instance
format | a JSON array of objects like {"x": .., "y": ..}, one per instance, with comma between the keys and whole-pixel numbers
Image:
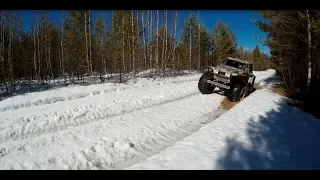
[
  {"x": 110, "y": 130},
  {"x": 154, "y": 124},
  {"x": 261, "y": 133}
]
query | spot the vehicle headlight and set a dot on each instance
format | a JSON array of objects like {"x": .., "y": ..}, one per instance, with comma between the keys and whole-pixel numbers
[
  {"x": 215, "y": 71},
  {"x": 228, "y": 74}
]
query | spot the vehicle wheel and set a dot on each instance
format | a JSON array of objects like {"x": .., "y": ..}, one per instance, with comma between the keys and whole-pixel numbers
[
  {"x": 237, "y": 92},
  {"x": 244, "y": 92},
  {"x": 205, "y": 87}
]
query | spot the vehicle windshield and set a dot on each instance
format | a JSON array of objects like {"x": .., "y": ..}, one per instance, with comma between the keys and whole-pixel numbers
[{"x": 233, "y": 63}]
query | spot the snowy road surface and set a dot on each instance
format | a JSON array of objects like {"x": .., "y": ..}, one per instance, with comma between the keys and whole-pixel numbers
[
  {"x": 261, "y": 132},
  {"x": 110, "y": 130},
  {"x": 148, "y": 125}
]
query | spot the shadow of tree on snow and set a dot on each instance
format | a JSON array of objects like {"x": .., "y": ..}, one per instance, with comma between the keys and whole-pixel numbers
[{"x": 284, "y": 138}]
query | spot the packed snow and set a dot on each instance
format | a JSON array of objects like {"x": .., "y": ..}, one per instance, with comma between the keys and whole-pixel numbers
[
  {"x": 151, "y": 124},
  {"x": 109, "y": 130},
  {"x": 262, "y": 132},
  {"x": 78, "y": 92},
  {"x": 266, "y": 78}
]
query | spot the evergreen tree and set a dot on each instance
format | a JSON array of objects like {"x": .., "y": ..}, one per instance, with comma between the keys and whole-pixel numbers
[{"x": 224, "y": 42}]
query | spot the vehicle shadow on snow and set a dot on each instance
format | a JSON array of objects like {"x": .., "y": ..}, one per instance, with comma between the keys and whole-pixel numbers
[{"x": 284, "y": 138}]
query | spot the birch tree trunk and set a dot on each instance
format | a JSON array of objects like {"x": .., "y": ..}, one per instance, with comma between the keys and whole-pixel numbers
[{"x": 309, "y": 51}]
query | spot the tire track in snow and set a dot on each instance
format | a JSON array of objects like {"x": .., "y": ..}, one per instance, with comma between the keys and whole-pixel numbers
[
  {"x": 11, "y": 105},
  {"x": 134, "y": 137},
  {"x": 165, "y": 135},
  {"x": 46, "y": 123}
]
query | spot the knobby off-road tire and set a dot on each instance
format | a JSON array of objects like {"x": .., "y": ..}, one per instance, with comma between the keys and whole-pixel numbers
[
  {"x": 205, "y": 87},
  {"x": 238, "y": 92}
]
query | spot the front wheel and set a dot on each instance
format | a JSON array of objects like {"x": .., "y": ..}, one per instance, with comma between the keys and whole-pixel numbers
[
  {"x": 205, "y": 87},
  {"x": 237, "y": 92}
]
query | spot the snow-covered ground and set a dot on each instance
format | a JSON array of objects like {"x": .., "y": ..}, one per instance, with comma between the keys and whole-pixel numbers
[
  {"x": 107, "y": 126},
  {"x": 261, "y": 132},
  {"x": 152, "y": 124},
  {"x": 266, "y": 78},
  {"x": 77, "y": 92}
]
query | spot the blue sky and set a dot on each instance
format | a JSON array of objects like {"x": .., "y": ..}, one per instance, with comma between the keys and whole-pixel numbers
[{"x": 240, "y": 21}]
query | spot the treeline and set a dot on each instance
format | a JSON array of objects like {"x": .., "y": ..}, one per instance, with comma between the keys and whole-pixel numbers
[
  {"x": 293, "y": 38},
  {"x": 132, "y": 41}
]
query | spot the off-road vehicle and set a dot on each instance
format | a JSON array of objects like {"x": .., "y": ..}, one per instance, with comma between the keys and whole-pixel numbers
[{"x": 233, "y": 75}]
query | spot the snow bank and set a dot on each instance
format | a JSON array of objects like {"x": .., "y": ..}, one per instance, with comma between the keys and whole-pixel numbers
[{"x": 261, "y": 132}]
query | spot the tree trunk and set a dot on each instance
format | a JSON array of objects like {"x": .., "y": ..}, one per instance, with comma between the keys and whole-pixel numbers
[
  {"x": 166, "y": 36},
  {"x": 10, "y": 24},
  {"x": 309, "y": 51},
  {"x": 46, "y": 50},
  {"x": 1, "y": 46},
  {"x": 123, "y": 60},
  {"x": 39, "y": 53},
  {"x": 147, "y": 41},
  {"x": 144, "y": 43},
  {"x": 157, "y": 50},
  {"x": 102, "y": 54},
  {"x": 199, "y": 41},
  {"x": 175, "y": 41},
  {"x": 162, "y": 53},
  {"x": 151, "y": 32},
  {"x": 133, "y": 52},
  {"x": 90, "y": 60},
  {"x": 87, "y": 52},
  {"x": 190, "y": 62},
  {"x": 50, "y": 63},
  {"x": 61, "y": 46}
]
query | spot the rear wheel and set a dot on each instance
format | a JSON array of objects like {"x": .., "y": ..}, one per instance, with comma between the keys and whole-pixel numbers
[{"x": 205, "y": 87}]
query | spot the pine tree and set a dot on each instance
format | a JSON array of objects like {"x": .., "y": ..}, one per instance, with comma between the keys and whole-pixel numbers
[{"x": 225, "y": 43}]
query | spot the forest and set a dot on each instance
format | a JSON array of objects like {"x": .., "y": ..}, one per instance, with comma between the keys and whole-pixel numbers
[
  {"x": 133, "y": 41},
  {"x": 293, "y": 39}
]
